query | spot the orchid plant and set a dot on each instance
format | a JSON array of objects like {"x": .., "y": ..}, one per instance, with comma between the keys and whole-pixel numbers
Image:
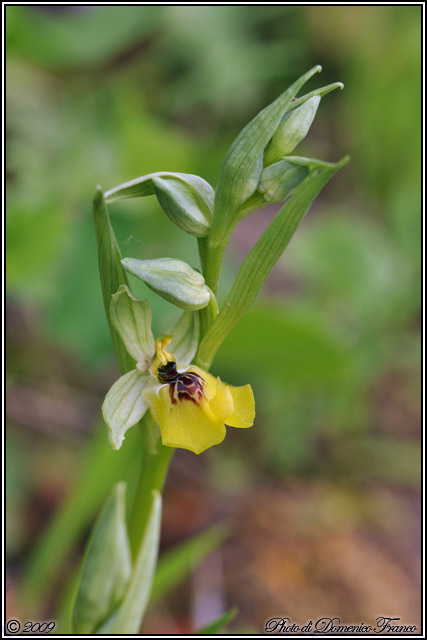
[{"x": 165, "y": 385}]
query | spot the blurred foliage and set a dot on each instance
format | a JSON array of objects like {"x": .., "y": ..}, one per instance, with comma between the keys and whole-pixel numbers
[{"x": 332, "y": 347}]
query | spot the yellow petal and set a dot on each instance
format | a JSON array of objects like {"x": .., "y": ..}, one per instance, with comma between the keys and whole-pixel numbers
[
  {"x": 222, "y": 403},
  {"x": 209, "y": 382},
  {"x": 185, "y": 424},
  {"x": 244, "y": 407}
]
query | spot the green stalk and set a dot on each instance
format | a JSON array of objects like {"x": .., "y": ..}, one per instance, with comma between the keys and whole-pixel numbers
[
  {"x": 206, "y": 254},
  {"x": 204, "y": 314},
  {"x": 154, "y": 458},
  {"x": 203, "y": 252},
  {"x": 215, "y": 254},
  {"x": 153, "y": 472}
]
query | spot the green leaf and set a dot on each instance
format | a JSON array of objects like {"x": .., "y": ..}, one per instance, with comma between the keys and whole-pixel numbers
[
  {"x": 172, "y": 279},
  {"x": 127, "y": 619},
  {"x": 243, "y": 161},
  {"x": 186, "y": 199},
  {"x": 131, "y": 318},
  {"x": 185, "y": 338},
  {"x": 124, "y": 405},
  {"x": 100, "y": 467},
  {"x": 106, "y": 566},
  {"x": 261, "y": 260},
  {"x": 176, "y": 564},
  {"x": 216, "y": 626},
  {"x": 111, "y": 272}
]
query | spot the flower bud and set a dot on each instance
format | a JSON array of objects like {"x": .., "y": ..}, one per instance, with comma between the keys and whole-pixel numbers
[
  {"x": 187, "y": 199},
  {"x": 188, "y": 204},
  {"x": 280, "y": 179},
  {"x": 172, "y": 279},
  {"x": 107, "y": 566},
  {"x": 291, "y": 131}
]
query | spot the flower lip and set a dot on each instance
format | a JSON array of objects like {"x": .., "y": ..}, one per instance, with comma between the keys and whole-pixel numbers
[
  {"x": 193, "y": 409},
  {"x": 182, "y": 386},
  {"x": 186, "y": 386}
]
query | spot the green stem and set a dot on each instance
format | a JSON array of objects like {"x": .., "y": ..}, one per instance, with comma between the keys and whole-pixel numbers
[
  {"x": 154, "y": 467},
  {"x": 213, "y": 266},
  {"x": 209, "y": 313},
  {"x": 202, "y": 244}
]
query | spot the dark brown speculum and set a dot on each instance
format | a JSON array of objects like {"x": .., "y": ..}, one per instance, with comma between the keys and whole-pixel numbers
[{"x": 182, "y": 386}]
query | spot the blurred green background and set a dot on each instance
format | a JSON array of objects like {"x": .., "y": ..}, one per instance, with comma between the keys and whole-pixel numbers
[{"x": 321, "y": 498}]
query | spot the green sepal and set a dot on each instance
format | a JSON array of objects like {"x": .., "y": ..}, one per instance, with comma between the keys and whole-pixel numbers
[
  {"x": 131, "y": 318},
  {"x": 124, "y": 405},
  {"x": 106, "y": 568}
]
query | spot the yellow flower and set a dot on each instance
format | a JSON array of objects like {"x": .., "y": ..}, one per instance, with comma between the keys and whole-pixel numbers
[{"x": 191, "y": 406}]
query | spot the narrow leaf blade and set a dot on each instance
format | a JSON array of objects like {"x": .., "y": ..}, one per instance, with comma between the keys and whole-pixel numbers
[{"x": 111, "y": 272}]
